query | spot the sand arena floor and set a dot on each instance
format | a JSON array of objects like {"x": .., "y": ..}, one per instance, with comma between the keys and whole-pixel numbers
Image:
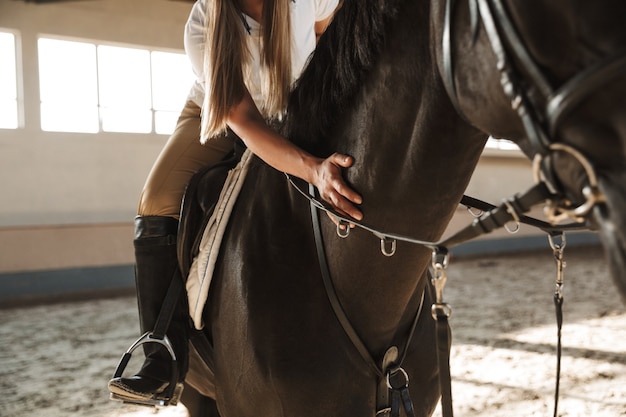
[{"x": 56, "y": 359}]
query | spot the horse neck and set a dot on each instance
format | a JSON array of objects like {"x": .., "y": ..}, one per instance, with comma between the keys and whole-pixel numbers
[{"x": 414, "y": 157}]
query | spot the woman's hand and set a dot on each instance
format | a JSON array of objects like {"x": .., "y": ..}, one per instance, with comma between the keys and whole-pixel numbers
[
  {"x": 325, "y": 174},
  {"x": 333, "y": 189}
]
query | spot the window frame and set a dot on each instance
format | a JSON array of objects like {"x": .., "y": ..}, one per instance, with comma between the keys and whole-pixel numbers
[
  {"x": 155, "y": 128},
  {"x": 19, "y": 84}
]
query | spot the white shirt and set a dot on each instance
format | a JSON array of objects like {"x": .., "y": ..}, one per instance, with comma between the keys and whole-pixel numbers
[{"x": 304, "y": 14}]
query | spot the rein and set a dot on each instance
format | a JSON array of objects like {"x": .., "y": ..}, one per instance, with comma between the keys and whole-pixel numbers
[
  {"x": 492, "y": 218},
  {"x": 393, "y": 381}
]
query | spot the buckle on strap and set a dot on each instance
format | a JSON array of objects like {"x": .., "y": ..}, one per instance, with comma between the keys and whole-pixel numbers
[
  {"x": 398, "y": 384},
  {"x": 558, "y": 211}
]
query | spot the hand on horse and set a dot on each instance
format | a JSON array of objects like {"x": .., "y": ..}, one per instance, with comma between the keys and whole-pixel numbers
[{"x": 334, "y": 190}]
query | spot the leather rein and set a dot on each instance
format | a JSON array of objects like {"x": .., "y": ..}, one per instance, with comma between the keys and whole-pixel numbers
[
  {"x": 393, "y": 380},
  {"x": 541, "y": 127}
]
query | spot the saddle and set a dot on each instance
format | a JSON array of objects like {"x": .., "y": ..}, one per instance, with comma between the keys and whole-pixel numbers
[
  {"x": 201, "y": 198},
  {"x": 200, "y": 201}
]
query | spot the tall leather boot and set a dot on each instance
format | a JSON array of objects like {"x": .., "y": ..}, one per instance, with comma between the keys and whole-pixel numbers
[{"x": 156, "y": 266}]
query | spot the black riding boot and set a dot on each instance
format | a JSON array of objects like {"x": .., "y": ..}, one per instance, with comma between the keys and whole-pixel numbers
[{"x": 156, "y": 265}]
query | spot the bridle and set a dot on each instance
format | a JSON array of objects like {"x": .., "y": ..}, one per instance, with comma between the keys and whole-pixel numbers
[
  {"x": 540, "y": 122},
  {"x": 541, "y": 126}
]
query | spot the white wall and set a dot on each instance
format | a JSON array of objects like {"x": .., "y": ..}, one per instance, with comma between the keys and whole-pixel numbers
[
  {"x": 70, "y": 198},
  {"x": 65, "y": 178},
  {"x": 499, "y": 174}
]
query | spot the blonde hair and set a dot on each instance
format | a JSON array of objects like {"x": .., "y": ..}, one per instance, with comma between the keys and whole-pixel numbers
[{"x": 227, "y": 61}]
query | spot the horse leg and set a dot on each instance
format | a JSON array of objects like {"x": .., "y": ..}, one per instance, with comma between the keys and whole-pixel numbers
[
  {"x": 197, "y": 404},
  {"x": 200, "y": 380}
]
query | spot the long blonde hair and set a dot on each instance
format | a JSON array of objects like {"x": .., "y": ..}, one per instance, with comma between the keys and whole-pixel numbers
[{"x": 227, "y": 61}]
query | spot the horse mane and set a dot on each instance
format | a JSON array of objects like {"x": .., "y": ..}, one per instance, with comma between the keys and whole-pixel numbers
[{"x": 337, "y": 69}]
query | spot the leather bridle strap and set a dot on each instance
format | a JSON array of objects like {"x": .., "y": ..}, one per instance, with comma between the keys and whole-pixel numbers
[
  {"x": 511, "y": 209},
  {"x": 508, "y": 77},
  {"x": 558, "y": 306},
  {"x": 568, "y": 96},
  {"x": 560, "y": 102},
  {"x": 497, "y": 15},
  {"x": 448, "y": 73},
  {"x": 443, "y": 359},
  {"x": 502, "y": 35},
  {"x": 519, "y": 99}
]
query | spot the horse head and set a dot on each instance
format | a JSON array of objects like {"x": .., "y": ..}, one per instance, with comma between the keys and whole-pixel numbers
[{"x": 554, "y": 82}]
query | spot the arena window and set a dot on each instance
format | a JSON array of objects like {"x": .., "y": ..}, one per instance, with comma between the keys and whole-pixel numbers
[
  {"x": 87, "y": 87},
  {"x": 8, "y": 81}
]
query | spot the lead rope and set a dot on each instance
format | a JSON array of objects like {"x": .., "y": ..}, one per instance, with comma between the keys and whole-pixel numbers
[{"x": 557, "y": 249}]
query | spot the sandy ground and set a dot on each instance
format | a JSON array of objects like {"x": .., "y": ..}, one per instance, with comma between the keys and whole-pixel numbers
[{"x": 56, "y": 359}]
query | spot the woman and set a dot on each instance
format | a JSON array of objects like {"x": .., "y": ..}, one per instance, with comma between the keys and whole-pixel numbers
[{"x": 246, "y": 55}]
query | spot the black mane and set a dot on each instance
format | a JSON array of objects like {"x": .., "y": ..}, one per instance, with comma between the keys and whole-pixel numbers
[{"x": 344, "y": 55}]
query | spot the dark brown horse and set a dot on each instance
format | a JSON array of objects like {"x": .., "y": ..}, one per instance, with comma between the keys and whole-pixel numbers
[{"x": 411, "y": 89}]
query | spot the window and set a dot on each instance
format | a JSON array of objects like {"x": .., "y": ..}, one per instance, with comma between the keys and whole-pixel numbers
[
  {"x": 87, "y": 87},
  {"x": 124, "y": 85},
  {"x": 171, "y": 79},
  {"x": 8, "y": 82},
  {"x": 68, "y": 86}
]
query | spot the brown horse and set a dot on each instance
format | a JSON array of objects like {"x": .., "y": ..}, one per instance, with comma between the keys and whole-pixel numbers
[{"x": 411, "y": 89}]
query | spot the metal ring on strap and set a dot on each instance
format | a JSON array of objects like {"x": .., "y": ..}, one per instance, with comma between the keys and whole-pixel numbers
[
  {"x": 343, "y": 228},
  {"x": 591, "y": 192},
  {"x": 388, "y": 246},
  {"x": 403, "y": 379}
]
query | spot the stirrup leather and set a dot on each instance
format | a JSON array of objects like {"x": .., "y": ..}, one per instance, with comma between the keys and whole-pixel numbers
[{"x": 170, "y": 395}]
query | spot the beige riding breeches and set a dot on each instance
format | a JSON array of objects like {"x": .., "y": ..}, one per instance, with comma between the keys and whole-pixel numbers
[{"x": 181, "y": 157}]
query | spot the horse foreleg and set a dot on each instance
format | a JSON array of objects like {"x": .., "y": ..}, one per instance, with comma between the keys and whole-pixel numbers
[{"x": 197, "y": 404}]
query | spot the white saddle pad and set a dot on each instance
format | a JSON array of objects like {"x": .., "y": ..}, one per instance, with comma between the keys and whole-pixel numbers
[{"x": 201, "y": 272}]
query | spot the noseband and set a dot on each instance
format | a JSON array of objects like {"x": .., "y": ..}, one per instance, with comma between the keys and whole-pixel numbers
[{"x": 540, "y": 123}]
